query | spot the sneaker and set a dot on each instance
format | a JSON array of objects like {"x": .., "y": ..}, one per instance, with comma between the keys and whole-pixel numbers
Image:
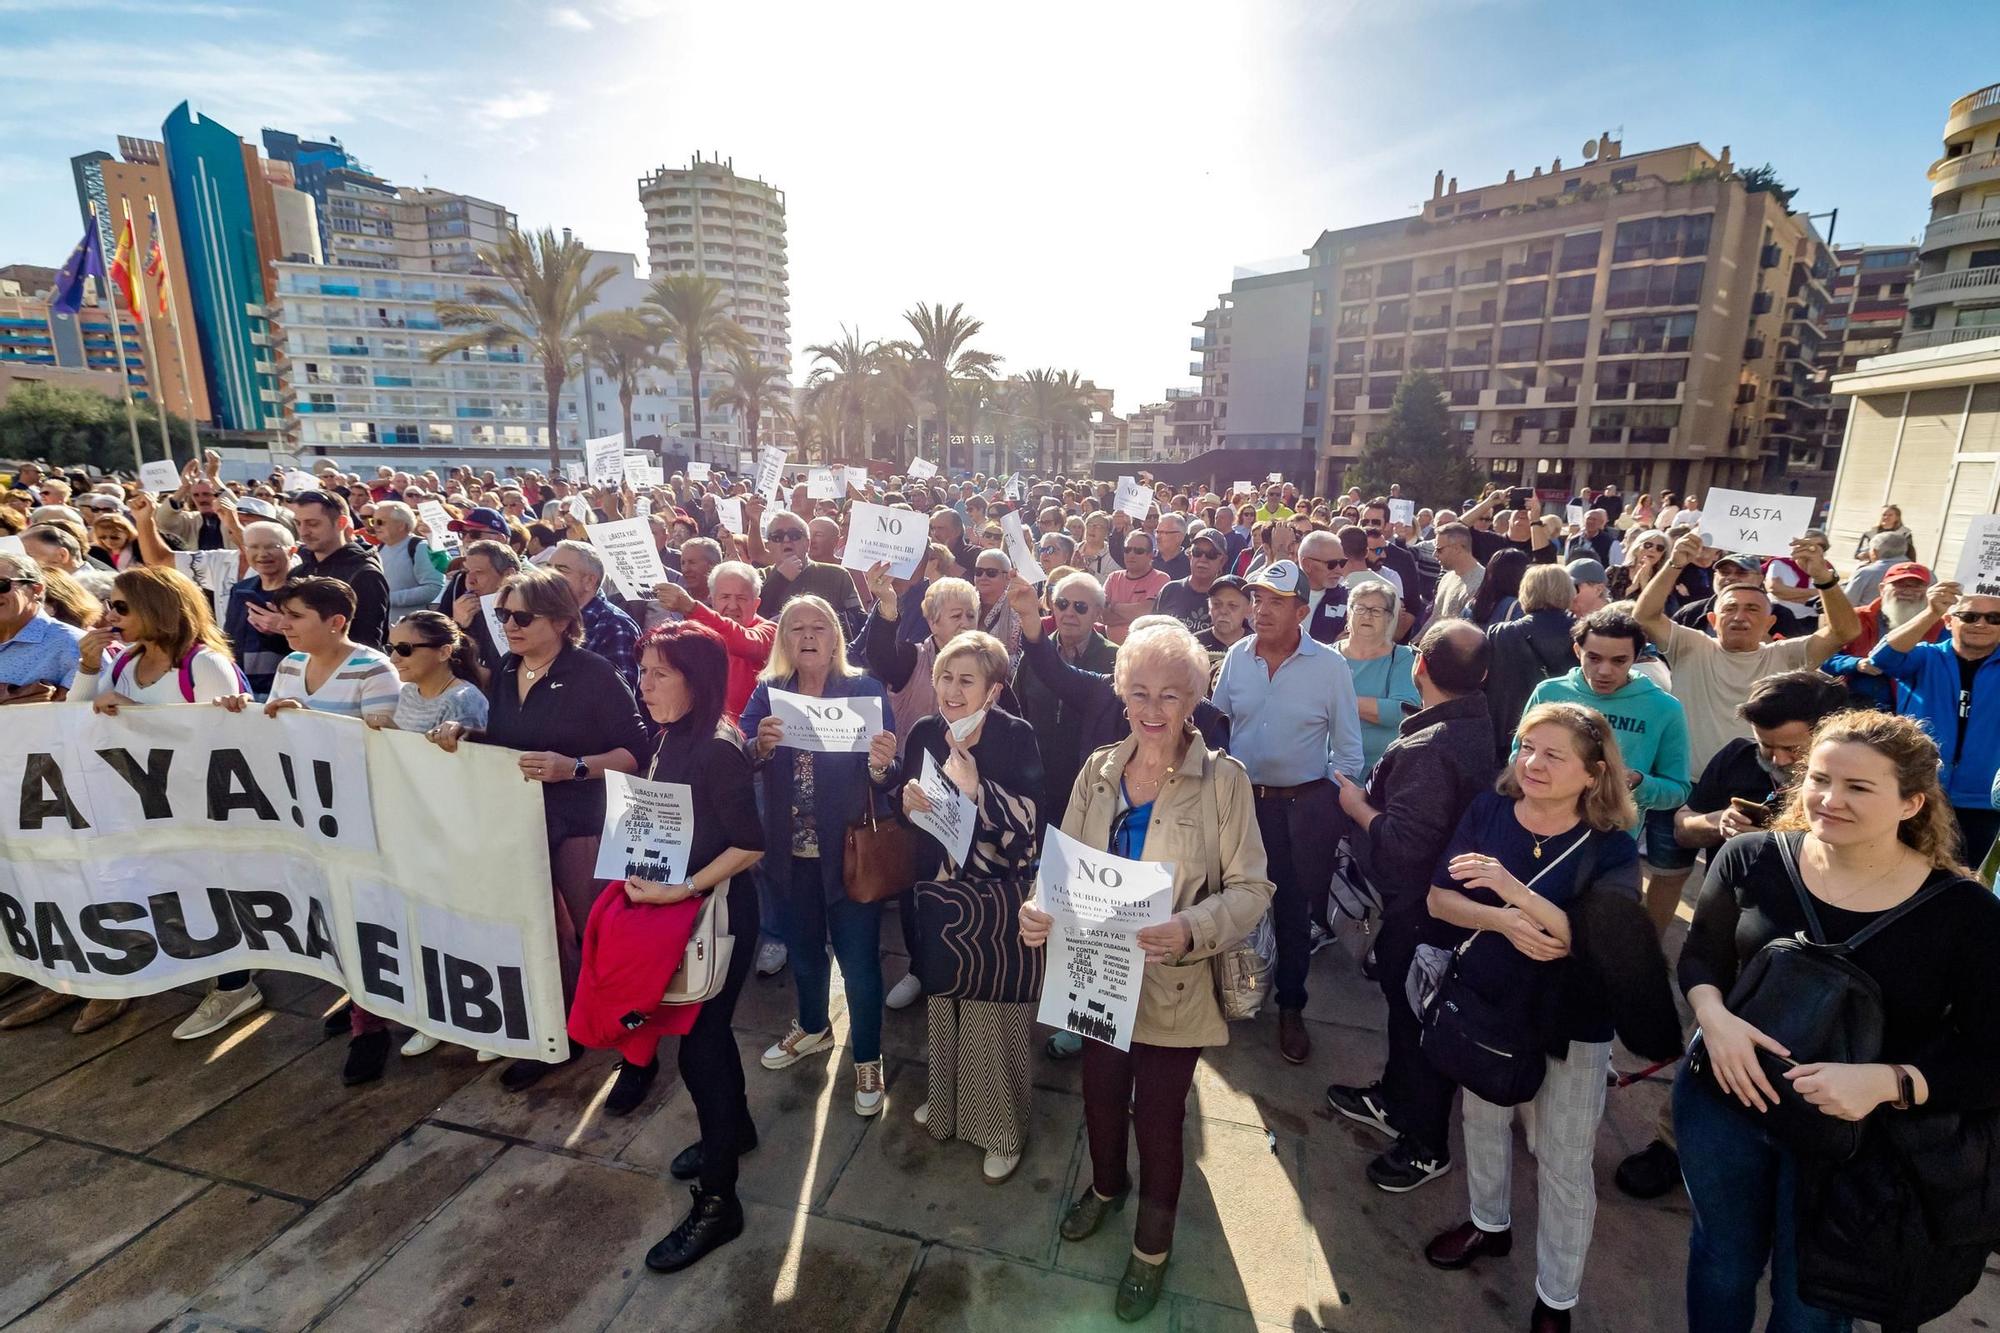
[
  {"x": 422, "y": 1043},
  {"x": 905, "y": 992},
  {"x": 488, "y": 1057},
  {"x": 771, "y": 958},
  {"x": 218, "y": 1009},
  {"x": 1649, "y": 1173},
  {"x": 923, "y": 1115},
  {"x": 999, "y": 1166},
  {"x": 634, "y": 1082},
  {"x": 1404, "y": 1167},
  {"x": 868, "y": 1087},
  {"x": 1361, "y": 1105},
  {"x": 367, "y": 1054},
  {"x": 1319, "y": 937},
  {"x": 795, "y": 1046}
]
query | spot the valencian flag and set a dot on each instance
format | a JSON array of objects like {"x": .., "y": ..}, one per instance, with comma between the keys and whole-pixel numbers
[
  {"x": 86, "y": 261},
  {"x": 121, "y": 270},
  {"x": 156, "y": 262}
]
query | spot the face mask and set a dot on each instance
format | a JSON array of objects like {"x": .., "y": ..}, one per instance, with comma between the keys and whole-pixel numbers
[{"x": 965, "y": 726}]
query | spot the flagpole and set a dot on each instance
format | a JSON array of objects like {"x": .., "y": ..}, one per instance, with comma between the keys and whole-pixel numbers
[
  {"x": 146, "y": 328},
  {"x": 174, "y": 317},
  {"x": 118, "y": 341}
]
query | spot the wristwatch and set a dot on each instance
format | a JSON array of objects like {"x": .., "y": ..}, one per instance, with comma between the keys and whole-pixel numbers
[
  {"x": 1828, "y": 584},
  {"x": 582, "y": 771},
  {"x": 1906, "y": 1089}
]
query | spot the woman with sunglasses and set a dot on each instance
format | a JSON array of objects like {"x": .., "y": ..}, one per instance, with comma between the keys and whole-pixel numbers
[
  {"x": 1645, "y": 552},
  {"x": 990, "y": 573},
  {"x": 114, "y": 540}
]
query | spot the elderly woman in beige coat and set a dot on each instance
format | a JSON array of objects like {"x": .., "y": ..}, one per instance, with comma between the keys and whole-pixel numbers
[{"x": 1160, "y": 795}]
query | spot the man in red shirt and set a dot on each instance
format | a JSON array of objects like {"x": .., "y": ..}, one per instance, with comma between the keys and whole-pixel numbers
[
  {"x": 1130, "y": 592},
  {"x": 734, "y": 588}
]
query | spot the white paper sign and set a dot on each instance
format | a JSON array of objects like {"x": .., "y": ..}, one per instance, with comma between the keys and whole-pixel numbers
[
  {"x": 1404, "y": 512},
  {"x": 1019, "y": 550},
  {"x": 877, "y": 532},
  {"x": 856, "y": 479},
  {"x": 697, "y": 472},
  {"x": 642, "y": 505},
  {"x": 437, "y": 522},
  {"x": 951, "y": 817},
  {"x": 604, "y": 460},
  {"x": 822, "y": 483},
  {"x": 215, "y": 571},
  {"x": 648, "y": 830},
  {"x": 296, "y": 480},
  {"x": 1100, "y": 902},
  {"x": 1979, "y": 559},
  {"x": 1754, "y": 524},
  {"x": 770, "y": 471},
  {"x": 1240, "y": 486},
  {"x": 1573, "y": 514},
  {"x": 160, "y": 476},
  {"x": 1275, "y": 476},
  {"x": 629, "y": 555},
  {"x": 827, "y": 726},
  {"x": 1133, "y": 499},
  {"x": 729, "y": 509},
  {"x": 1016, "y": 488},
  {"x": 579, "y": 509},
  {"x": 573, "y": 471},
  {"x": 922, "y": 469},
  {"x": 489, "y": 606}
]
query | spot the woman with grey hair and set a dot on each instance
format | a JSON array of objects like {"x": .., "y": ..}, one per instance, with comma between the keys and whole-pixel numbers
[
  {"x": 415, "y": 580},
  {"x": 1385, "y": 684},
  {"x": 990, "y": 572}
]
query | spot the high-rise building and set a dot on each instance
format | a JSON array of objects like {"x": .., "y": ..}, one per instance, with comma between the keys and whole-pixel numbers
[
  {"x": 38, "y": 345},
  {"x": 312, "y": 163},
  {"x": 704, "y": 218},
  {"x": 1956, "y": 296},
  {"x": 298, "y": 215},
  {"x": 1649, "y": 320},
  {"x": 90, "y": 191},
  {"x": 229, "y": 233},
  {"x": 1867, "y": 300}
]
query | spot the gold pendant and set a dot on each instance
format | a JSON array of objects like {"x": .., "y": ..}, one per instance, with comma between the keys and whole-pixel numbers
[{"x": 1538, "y": 851}]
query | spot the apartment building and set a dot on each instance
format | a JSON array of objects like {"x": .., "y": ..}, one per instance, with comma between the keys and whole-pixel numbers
[
  {"x": 1956, "y": 296},
  {"x": 1648, "y": 319},
  {"x": 1867, "y": 300},
  {"x": 40, "y": 346}
]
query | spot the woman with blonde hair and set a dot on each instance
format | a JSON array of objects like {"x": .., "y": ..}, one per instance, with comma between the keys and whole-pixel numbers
[
  {"x": 1645, "y": 552},
  {"x": 114, "y": 539},
  {"x": 1866, "y": 843},
  {"x": 1556, "y": 825},
  {"x": 68, "y": 601}
]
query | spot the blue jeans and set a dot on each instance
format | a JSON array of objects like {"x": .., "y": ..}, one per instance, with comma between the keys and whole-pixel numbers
[
  {"x": 810, "y": 923},
  {"x": 1743, "y": 1187}
]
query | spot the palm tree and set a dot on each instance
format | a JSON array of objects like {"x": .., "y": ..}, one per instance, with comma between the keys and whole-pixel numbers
[
  {"x": 542, "y": 306},
  {"x": 841, "y": 377},
  {"x": 819, "y": 432},
  {"x": 893, "y": 398},
  {"x": 691, "y": 309},
  {"x": 941, "y": 349},
  {"x": 755, "y": 390},
  {"x": 626, "y": 343},
  {"x": 1073, "y": 406}
]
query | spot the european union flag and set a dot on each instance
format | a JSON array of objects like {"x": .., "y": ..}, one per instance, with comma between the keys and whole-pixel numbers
[{"x": 86, "y": 261}]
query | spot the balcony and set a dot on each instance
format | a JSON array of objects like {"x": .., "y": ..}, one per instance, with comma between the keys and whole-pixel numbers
[
  {"x": 1753, "y": 348},
  {"x": 1610, "y": 393},
  {"x": 1771, "y": 256},
  {"x": 1568, "y": 351},
  {"x": 1916, "y": 338},
  {"x": 1472, "y": 356},
  {"x": 1760, "y": 303},
  {"x": 1465, "y": 397},
  {"x": 1956, "y": 173},
  {"x": 1381, "y": 402},
  {"x": 1534, "y": 266},
  {"x": 1959, "y": 285},
  {"x": 1976, "y": 108},
  {"x": 1194, "y": 368},
  {"x": 1387, "y": 365},
  {"x": 1510, "y": 397},
  {"x": 1485, "y": 314},
  {"x": 1746, "y": 394},
  {"x": 1440, "y": 319},
  {"x": 1198, "y": 344},
  {"x": 1559, "y": 393},
  {"x": 1358, "y": 289},
  {"x": 1438, "y": 281},
  {"x": 1479, "y": 277}
]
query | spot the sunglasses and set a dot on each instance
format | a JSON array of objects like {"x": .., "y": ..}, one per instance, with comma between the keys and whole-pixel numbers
[
  {"x": 989, "y": 572},
  {"x": 405, "y": 649},
  {"x": 792, "y": 536},
  {"x": 521, "y": 619},
  {"x": 119, "y": 607},
  {"x": 1977, "y": 617},
  {"x": 1138, "y": 550},
  {"x": 1077, "y": 605},
  {"x": 8, "y": 585}
]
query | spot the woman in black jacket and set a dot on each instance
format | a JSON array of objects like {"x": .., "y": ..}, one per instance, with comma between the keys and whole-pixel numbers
[
  {"x": 1528, "y": 649},
  {"x": 1494, "y": 604},
  {"x": 1870, "y": 829}
]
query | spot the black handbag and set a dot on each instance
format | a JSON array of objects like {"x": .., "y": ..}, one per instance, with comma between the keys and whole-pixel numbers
[
  {"x": 1813, "y": 999},
  {"x": 968, "y": 941}
]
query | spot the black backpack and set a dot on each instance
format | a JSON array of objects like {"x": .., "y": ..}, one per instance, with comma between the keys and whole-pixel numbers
[{"x": 1815, "y": 1001}]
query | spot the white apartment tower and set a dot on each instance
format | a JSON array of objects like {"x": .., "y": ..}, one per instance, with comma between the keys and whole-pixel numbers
[{"x": 1956, "y": 297}]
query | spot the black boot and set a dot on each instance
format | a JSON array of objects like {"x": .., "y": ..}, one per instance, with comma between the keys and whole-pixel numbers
[
  {"x": 687, "y": 1162},
  {"x": 634, "y": 1082},
  {"x": 340, "y": 1019},
  {"x": 714, "y": 1221},
  {"x": 527, "y": 1073},
  {"x": 1545, "y": 1320},
  {"x": 366, "y": 1056}
]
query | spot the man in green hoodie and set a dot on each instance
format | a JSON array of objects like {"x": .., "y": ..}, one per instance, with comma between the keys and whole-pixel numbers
[{"x": 1651, "y": 727}]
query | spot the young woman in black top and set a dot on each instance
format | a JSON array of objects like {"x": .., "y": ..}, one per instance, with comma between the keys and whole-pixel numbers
[
  {"x": 683, "y": 675},
  {"x": 1871, "y": 829}
]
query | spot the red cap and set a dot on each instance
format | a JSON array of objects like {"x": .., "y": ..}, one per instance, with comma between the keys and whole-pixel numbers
[{"x": 1909, "y": 569}]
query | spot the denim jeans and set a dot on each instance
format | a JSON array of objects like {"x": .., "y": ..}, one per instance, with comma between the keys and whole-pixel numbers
[
  {"x": 1300, "y": 834},
  {"x": 1742, "y": 1185},
  {"x": 854, "y": 929}
]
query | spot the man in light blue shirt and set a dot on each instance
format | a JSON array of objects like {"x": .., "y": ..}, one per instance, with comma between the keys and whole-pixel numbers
[{"x": 1293, "y": 724}]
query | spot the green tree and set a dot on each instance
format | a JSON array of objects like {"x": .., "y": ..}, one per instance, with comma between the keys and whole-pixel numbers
[
  {"x": 755, "y": 391},
  {"x": 841, "y": 382},
  {"x": 626, "y": 344},
  {"x": 541, "y": 306},
  {"x": 692, "y": 309},
  {"x": 942, "y": 352},
  {"x": 1416, "y": 447},
  {"x": 71, "y": 427},
  {"x": 1757, "y": 180}
]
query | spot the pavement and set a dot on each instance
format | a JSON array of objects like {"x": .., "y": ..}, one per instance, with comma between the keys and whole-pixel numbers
[{"x": 233, "y": 1184}]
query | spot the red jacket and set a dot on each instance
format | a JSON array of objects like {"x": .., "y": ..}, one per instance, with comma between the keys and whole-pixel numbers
[
  {"x": 630, "y": 952},
  {"x": 749, "y": 649}
]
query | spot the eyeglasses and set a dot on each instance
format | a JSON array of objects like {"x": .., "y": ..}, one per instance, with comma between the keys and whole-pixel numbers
[
  {"x": 374, "y": 522},
  {"x": 8, "y": 585},
  {"x": 520, "y": 619},
  {"x": 405, "y": 649},
  {"x": 792, "y": 535},
  {"x": 1138, "y": 550},
  {"x": 1077, "y": 605},
  {"x": 119, "y": 607},
  {"x": 989, "y": 572},
  {"x": 1976, "y": 617}
]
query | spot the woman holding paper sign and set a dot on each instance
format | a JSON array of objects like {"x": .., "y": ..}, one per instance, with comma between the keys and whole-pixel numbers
[
  {"x": 808, "y": 797},
  {"x": 978, "y": 1049},
  {"x": 1160, "y": 795}
]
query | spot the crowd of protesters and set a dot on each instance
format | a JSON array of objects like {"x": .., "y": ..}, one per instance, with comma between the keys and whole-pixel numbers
[{"x": 1498, "y": 740}]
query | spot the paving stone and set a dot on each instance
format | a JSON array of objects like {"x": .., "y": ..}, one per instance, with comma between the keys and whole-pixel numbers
[
  {"x": 301, "y": 1132},
  {"x": 538, "y": 1241},
  {"x": 288, "y": 1283},
  {"x": 565, "y": 1110},
  {"x": 959, "y": 1291},
  {"x": 134, "y": 1096},
  {"x": 297, "y": 993},
  {"x": 806, "y": 1126},
  {"x": 64, "y": 1207},
  {"x": 903, "y": 1179},
  {"x": 14, "y": 1142},
  {"x": 157, "y": 1274},
  {"x": 32, "y": 1056},
  {"x": 1248, "y": 1082}
]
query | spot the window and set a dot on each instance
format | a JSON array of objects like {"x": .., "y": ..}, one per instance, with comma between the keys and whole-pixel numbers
[
  {"x": 1527, "y": 300},
  {"x": 1395, "y": 279},
  {"x": 1572, "y": 185},
  {"x": 1568, "y": 339},
  {"x": 1579, "y": 251},
  {"x": 1574, "y": 295},
  {"x": 1663, "y": 284},
  {"x": 1984, "y": 259},
  {"x": 1312, "y": 375},
  {"x": 1620, "y": 175},
  {"x": 1468, "y": 203},
  {"x": 1522, "y": 342},
  {"x": 1662, "y": 238},
  {"x": 1319, "y": 303},
  {"x": 1312, "y": 414},
  {"x": 1316, "y": 341}
]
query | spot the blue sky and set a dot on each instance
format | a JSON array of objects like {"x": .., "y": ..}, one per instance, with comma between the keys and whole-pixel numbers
[{"x": 1085, "y": 176}]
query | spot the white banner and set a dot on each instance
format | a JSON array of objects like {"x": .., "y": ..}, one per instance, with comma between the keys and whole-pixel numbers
[
  {"x": 1133, "y": 499},
  {"x": 770, "y": 471},
  {"x": 648, "y": 829},
  {"x": 604, "y": 460},
  {"x": 1753, "y": 524},
  {"x": 827, "y": 726},
  {"x": 175, "y": 843},
  {"x": 823, "y": 483},
  {"x": 951, "y": 817},
  {"x": 1100, "y": 902},
  {"x": 1019, "y": 550},
  {"x": 855, "y": 479},
  {"x": 159, "y": 476},
  {"x": 1979, "y": 559},
  {"x": 876, "y": 533},
  {"x": 697, "y": 472},
  {"x": 922, "y": 469},
  {"x": 629, "y": 556}
]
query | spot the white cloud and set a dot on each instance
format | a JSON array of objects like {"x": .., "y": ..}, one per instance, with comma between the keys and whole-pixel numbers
[
  {"x": 520, "y": 104},
  {"x": 569, "y": 16}
]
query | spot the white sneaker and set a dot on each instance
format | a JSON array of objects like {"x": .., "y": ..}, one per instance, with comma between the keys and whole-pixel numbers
[
  {"x": 795, "y": 1046},
  {"x": 905, "y": 992},
  {"x": 771, "y": 958},
  {"x": 420, "y": 1043},
  {"x": 218, "y": 1009},
  {"x": 868, "y": 1087},
  {"x": 998, "y": 1167},
  {"x": 488, "y": 1057},
  {"x": 923, "y": 1115}
]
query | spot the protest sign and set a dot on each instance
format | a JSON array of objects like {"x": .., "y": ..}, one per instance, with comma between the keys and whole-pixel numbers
[
  {"x": 922, "y": 469},
  {"x": 1016, "y": 488},
  {"x": 856, "y": 479},
  {"x": 823, "y": 483},
  {"x": 160, "y": 476},
  {"x": 1019, "y": 551},
  {"x": 578, "y": 509},
  {"x": 1100, "y": 902},
  {"x": 437, "y": 524},
  {"x": 1404, "y": 512},
  {"x": 877, "y": 532},
  {"x": 729, "y": 511},
  {"x": 1979, "y": 559},
  {"x": 171, "y": 844},
  {"x": 489, "y": 606},
  {"x": 1274, "y": 476},
  {"x": 642, "y": 505},
  {"x": 215, "y": 571},
  {"x": 648, "y": 829},
  {"x": 11, "y": 544},
  {"x": 827, "y": 726},
  {"x": 630, "y": 557},
  {"x": 1240, "y": 487},
  {"x": 1132, "y": 498},
  {"x": 951, "y": 817},
  {"x": 296, "y": 481},
  {"x": 697, "y": 472},
  {"x": 572, "y": 472},
  {"x": 604, "y": 460},
  {"x": 1573, "y": 514},
  {"x": 1754, "y": 524},
  {"x": 770, "y": 471}
]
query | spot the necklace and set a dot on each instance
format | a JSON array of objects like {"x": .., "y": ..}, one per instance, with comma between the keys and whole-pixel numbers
[
  {"x": 531, "y": 673},
  {"x": 1538, "y": 844}
]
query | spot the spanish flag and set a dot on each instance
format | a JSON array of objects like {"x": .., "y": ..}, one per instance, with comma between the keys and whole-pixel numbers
[
  {"x": 121, "y": 270},
  {"x": 156, "y": 263}
]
